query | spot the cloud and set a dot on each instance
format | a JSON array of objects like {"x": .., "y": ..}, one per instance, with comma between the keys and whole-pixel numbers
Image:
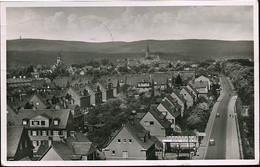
[{"x": 134, "y": 23}]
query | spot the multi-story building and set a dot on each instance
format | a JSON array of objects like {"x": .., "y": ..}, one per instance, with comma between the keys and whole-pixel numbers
[{"x": 131, "y": 142}]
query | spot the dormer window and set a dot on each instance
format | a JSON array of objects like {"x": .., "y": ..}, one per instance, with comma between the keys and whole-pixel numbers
[
  {"x": 37, "y": 103},
  {"x": 25, "y": 121},
  {"x": 56, "y": 121}
]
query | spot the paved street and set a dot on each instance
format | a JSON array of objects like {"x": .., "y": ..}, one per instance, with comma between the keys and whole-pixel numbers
[
  {"x": 219, "y": 129},
  {"x": 232, "y": 149}
]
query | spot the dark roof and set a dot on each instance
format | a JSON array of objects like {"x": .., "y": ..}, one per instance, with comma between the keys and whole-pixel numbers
[
  {"x": 63, "y": 150},
  {"x": 62, "y": 114},
  {"x": 179, "y": 96},
  {"x": 189, "y": 92},
  {"x": 37, "y": 83},
  {"x": 13, "y": 138},
  {"x": 43, "y": 147},
  {"x": 170, "y": 108},
  {"x": 137, "y": 130},
  {"x": 60, "y": 81},
  {"x": 160, "y": 118},
  {"x": 199, "y": 84},
  {"x": 78, "y": 145}
]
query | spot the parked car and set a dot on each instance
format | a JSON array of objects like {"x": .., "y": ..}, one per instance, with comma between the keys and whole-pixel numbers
[
  {"x": 212, "y": 142},
  {"x": 218, "y": 115}
]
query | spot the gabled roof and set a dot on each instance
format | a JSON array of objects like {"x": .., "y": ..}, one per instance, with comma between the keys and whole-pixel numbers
[
  {"x": 137, "y": 131},
  {"x": 73, "y": 146},
  {"x": 189, "y": 92},
  {"x": 14, "y": 135},
  {"x": 173, "y": 101},
  {"x": 37, "y": 83},
  {"x": 62, "y": 114},
  {"x": 63, "y": 150},
  {"x": 170, "y": 108},
  {"x": 38, "y": 98},
  {"x": 179, "y": 96},
  {"x": 160, "y": 118},
  {"x": 199, "y": 84}
]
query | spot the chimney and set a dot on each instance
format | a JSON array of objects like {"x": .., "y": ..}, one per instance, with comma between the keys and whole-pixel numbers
[{"x": 50, "y": 142}]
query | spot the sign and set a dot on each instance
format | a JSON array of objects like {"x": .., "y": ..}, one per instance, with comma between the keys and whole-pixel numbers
[{"x": 143, "y": 84}]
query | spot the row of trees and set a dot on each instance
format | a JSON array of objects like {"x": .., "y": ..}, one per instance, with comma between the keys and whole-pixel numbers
[{"x": 241, "y": 73}]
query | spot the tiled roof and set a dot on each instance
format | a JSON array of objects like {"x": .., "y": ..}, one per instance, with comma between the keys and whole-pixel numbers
[
  {"x": 62, "y": 114},
  {"x": 160, "y": 118},
  {"x": 37, "y": 83},
  {"x": 199, "y": 84},
  {"x": 179, "y": 96},
  {"x": 170, "y": 108},
  {"x": 136, "y": 130},
  {"x": 173, "y": 101},
  {"x": 188, "y": 91},
  {"x": 63, "y": 150},
  {"x": 13, "y": 138},
  {"x": 78, "y": 145},
  {"x": 60, "y": 81}
]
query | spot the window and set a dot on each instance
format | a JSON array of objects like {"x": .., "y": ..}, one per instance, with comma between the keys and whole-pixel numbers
[
  {"x": 124, "y": 141},
  {"x": 25, "y": 143},
  {"x": 55, "y": 133},
  {"x": 34, "y": 133},
  {"x": 162, "y": 128},
  {"x": 146, "y": 123},
  {"x": 118, "y": 140},
  {"x": 56, "y": 122},
  {"x": 36, "y": 123},
  {"x": 151, "y": 123},
  {"x": 24, "y": 122},
  {"x": 34, "y": 143},
  {"x": 44, "y": 133},
  {"x": 113, "y": 152},
  {"x": 72, "y": 133},
  {"x": 130, "y": 141},
  {"x": 37, "y": 103},
  {"x": 43, "y": 122}
]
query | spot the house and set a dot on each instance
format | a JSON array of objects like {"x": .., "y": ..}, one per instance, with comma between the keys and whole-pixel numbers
[
  {"x": 19, "y": 144},
  {"x": 37, "y": 102},
  {"x": 78, "y": 116},
  {"x": 188, "y": 96},
  {"x": 45, "y": 125},
  {"x": 82, "y": 81},
  {"x": 161, "y": 80},
  {"x": 18, "y": 82},
  {"x": 76, "y": 147},
  {"x": 131, "y": 142},
  {"x": 205, "y": 79},
  {"x": 95, "y": 94},
  {"x": 37, "y": 85},
  {"x": 62, "y": 82},
  {"x": 201, "y": 88},
  {"x": 180, "y": 99},
  {"x": 171, "y": 112},
  {"x": 106, "y": 89},
  {"x": 79, "y": 96},
  {"x": 156, "y": 123},
  {"x": 192, "y": 90}
]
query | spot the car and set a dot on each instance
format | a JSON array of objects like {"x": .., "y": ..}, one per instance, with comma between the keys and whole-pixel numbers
[
  {"x": 212, "y": 142},
  {"x": 218, "y": 115}
]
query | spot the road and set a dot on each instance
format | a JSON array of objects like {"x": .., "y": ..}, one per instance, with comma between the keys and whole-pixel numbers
[{"x": 219, "y": 129}]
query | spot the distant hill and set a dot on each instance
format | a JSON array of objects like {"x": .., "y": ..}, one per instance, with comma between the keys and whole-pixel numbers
[{"x": 38, "y": 51}]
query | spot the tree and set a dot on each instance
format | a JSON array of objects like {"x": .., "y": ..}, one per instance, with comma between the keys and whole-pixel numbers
[{"x": 178, "y": 80}]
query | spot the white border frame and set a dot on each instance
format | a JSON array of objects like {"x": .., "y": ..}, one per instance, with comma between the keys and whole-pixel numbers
[{"x": 65, "y": 3}]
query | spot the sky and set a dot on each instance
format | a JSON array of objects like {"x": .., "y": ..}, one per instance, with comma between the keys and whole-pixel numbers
[{"x": 105, "y": 24}]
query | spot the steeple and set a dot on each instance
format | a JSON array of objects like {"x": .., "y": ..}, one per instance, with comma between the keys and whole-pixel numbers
[{"x": 147, "y": 52}]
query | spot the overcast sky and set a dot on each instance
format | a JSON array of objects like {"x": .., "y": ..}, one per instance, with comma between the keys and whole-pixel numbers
[{"x": 100, "y": 24}]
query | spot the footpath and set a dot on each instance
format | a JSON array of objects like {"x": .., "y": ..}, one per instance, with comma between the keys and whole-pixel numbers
[{"x": 204, "y": 143}]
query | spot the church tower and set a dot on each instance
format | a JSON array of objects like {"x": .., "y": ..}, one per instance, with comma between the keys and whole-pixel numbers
[
  {"x": 147, "y": 52},
  {"x": 58, "y": 60}
]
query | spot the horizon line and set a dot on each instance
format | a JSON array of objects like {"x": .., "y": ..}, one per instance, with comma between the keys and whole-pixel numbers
[{"x": 129, "y": 41}]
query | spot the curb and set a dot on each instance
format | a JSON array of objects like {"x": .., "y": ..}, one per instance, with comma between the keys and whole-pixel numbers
[{"x": 238, "y": 134}]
